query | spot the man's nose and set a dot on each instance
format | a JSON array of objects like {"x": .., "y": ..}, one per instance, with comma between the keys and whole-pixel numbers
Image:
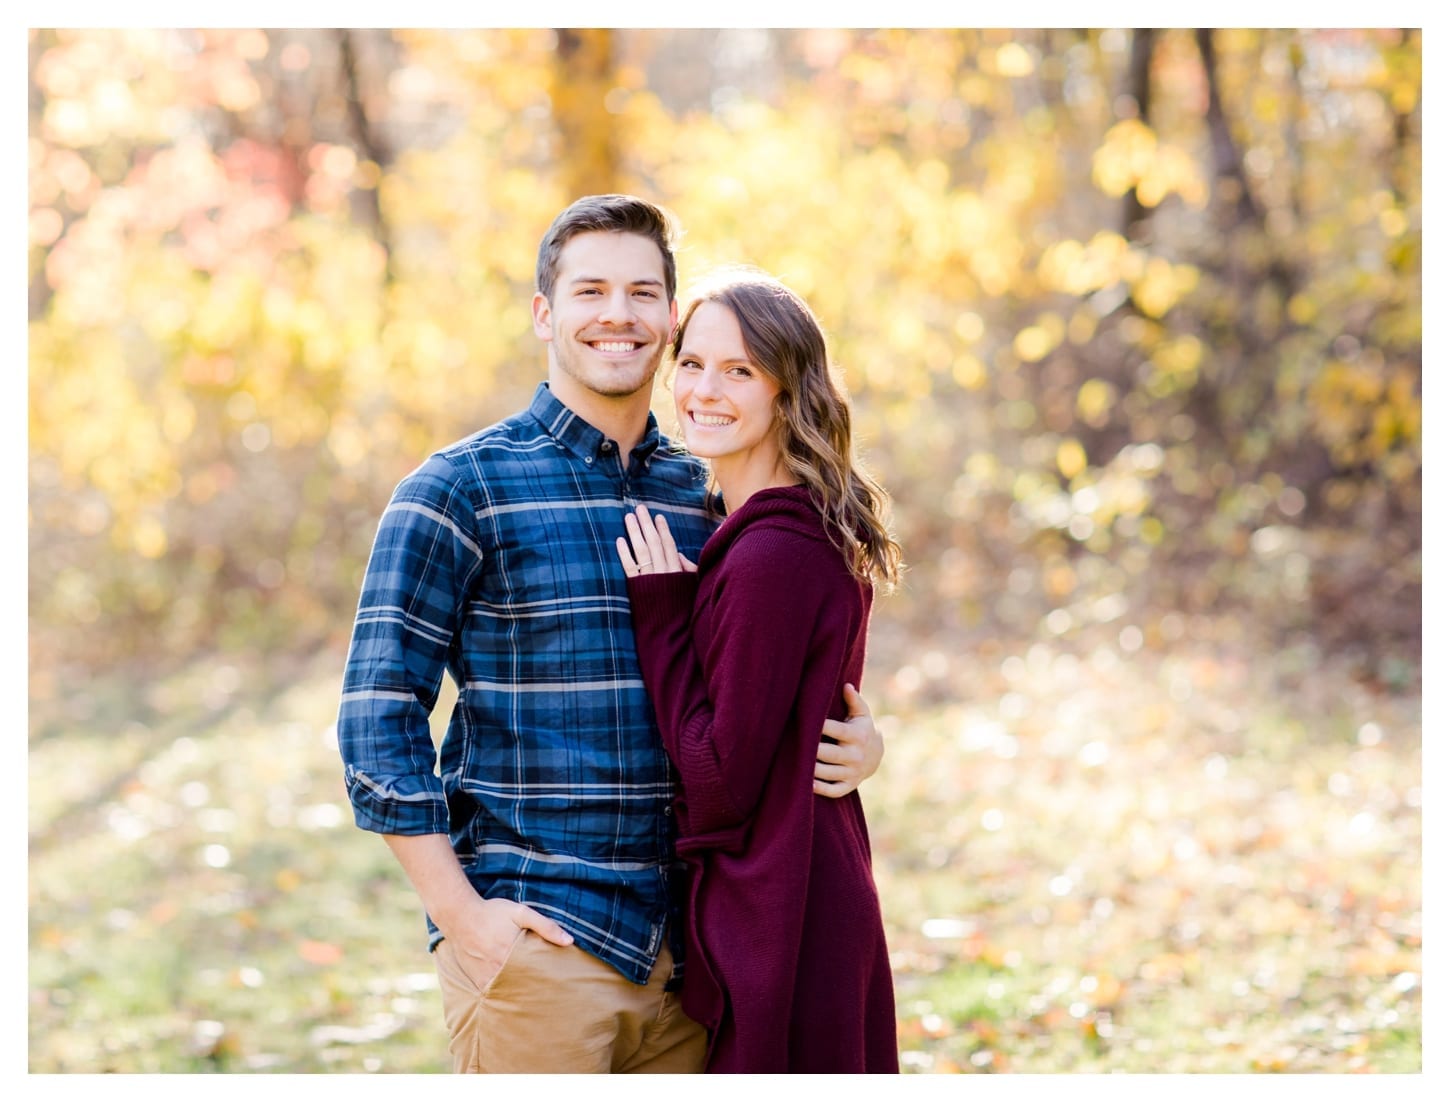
[{"x": 617, "y": 309}]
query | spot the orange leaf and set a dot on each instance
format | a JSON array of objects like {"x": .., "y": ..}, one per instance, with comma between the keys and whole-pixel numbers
[
  {"x": 1374, "y": 962},
  {"x": 1108, "y": 991},
  {"x": 319, "y": 952},
  {"x": 163, "y": 911}
]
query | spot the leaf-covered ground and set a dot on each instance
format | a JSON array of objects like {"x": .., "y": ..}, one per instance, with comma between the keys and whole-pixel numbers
[{"x": 1089, "y": 860}]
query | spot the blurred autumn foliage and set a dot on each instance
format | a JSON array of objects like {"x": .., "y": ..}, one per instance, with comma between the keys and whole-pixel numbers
[
  {"x": 1131, "y": 321},
  {"x": 1131, "y": 318}
]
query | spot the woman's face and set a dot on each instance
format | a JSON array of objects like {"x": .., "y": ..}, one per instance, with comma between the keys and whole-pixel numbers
[{"x": 724, "y": 401}]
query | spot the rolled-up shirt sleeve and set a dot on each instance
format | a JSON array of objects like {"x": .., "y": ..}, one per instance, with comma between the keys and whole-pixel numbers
[{"x": 425, "y": 558}]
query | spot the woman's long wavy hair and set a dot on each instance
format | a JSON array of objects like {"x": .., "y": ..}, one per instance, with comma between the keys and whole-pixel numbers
[{"x": 813, "y": 420}]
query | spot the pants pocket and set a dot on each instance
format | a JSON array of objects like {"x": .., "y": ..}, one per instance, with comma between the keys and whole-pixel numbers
[{"x": 452, "y": 973}]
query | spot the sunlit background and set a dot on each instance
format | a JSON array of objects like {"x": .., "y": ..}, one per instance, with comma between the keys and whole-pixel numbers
[{"x": 1131, "y": 322}]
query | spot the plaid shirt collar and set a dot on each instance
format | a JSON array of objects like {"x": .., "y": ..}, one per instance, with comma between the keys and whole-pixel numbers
[{"x": 578, "y": 435}]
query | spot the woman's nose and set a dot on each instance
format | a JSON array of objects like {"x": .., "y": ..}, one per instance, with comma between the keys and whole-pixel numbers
[{"x": 707, "y": 384}]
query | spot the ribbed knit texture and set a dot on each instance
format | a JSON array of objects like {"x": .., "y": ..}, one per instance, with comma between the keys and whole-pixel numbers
[{"x": 786, "y": 957}]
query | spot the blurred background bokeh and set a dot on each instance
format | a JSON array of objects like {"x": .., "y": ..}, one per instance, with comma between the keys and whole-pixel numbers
[{"x": 1131, "y": 322}]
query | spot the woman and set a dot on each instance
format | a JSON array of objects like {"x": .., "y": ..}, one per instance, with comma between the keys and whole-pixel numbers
[{"x": 744, "y": 657}]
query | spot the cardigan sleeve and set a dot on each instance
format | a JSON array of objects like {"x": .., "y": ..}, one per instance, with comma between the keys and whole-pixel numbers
[{"x": 724, "y": 708}]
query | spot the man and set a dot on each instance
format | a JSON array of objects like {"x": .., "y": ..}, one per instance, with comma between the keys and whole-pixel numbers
[{"x": 542, "y": 853}]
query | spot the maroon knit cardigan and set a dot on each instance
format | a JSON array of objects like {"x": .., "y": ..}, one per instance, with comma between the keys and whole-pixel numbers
[{"x": 786, "y": 961}]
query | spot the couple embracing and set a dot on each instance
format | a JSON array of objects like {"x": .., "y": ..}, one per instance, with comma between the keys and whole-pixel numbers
[{"x": 639, "y": 846}]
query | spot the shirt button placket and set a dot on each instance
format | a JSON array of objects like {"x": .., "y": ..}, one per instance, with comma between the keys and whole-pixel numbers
[{"x": 631, "y": 499}]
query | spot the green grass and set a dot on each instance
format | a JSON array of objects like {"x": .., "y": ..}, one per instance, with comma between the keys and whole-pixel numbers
[{"x": 1087, "y": 863}]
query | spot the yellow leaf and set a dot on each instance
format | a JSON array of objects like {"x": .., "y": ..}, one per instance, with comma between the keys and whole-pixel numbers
[
  {"x": 1014, "y": 61},
  {"x": 149, "y": 538},
  {"x": 968, "y": 372},
  {"x": 1032, "y": 343},
  {"x": 1094, "y": 398},
  {"x": 1071, "y": 459}
]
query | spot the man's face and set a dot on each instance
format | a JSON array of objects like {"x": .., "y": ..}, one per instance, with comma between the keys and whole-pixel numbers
[{"x": 610, "y": 316}]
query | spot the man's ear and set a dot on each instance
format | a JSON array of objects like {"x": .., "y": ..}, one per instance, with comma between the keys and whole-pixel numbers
[{"x": 543, "y": 317}]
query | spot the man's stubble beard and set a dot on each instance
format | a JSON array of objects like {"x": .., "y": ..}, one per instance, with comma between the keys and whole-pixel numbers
[{"x": 574, "y": 361}]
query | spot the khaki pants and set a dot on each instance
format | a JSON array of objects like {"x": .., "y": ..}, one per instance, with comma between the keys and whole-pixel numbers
[{"x": 557, "y": 1008}]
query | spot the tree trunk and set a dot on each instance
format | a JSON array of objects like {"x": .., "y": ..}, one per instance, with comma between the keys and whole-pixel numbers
[
  {"x": 1136, "y": 224},
  {"x": 370, "y": 142},
  {"x": 1245, "y": 212},
  {"x": 1405, "y": 139},
  {"x": 582, "y": 80},
  {"x": 1228, "y": 163},
  {"x": 40, "y": 290},
  {"x": 1293, "y": 143}
]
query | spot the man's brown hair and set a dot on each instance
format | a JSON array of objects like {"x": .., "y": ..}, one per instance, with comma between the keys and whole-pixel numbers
[{"x": 607, "y": 214}]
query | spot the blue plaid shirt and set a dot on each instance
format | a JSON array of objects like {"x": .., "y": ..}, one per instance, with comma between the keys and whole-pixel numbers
[{"x": 495, "y": 559}]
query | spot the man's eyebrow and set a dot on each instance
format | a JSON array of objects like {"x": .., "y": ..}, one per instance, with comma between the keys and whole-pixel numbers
[{"x": 648, "y": 281}]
